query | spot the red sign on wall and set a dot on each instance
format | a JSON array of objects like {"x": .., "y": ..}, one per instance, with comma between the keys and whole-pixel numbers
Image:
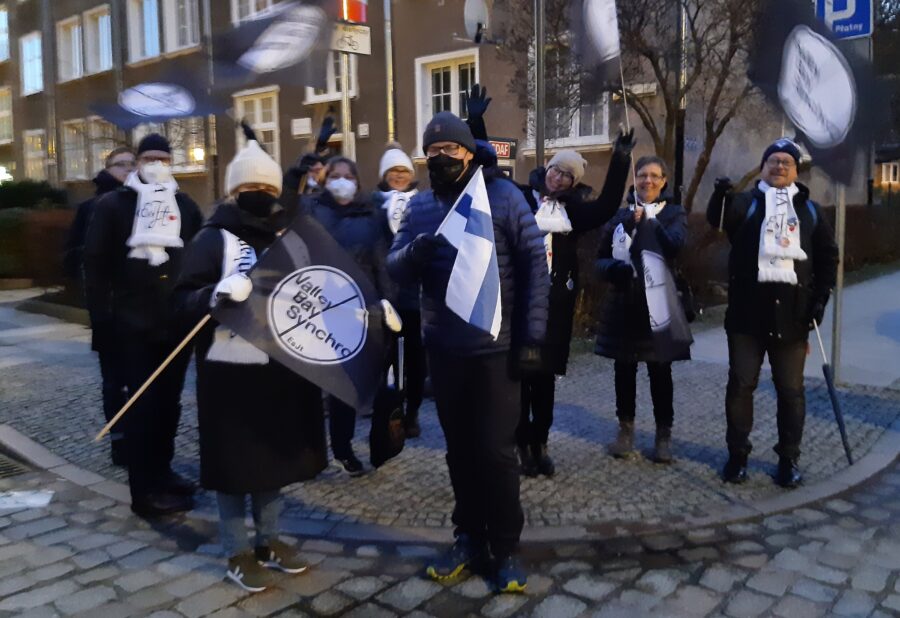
[
  {"x": 506, "y": 148},
  {"x": 353, "y": 10}
]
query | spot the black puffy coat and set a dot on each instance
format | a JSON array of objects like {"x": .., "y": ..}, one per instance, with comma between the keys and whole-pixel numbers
[
  {"x": 73, "y": 256},
  {"x": 261, "y": 425},
  {"x": 524, "y": 284},
  {"x": 623, "y": 330},
  {"x": 360, "y": 230},
  {"x": 585, "y": 215},
  {"x": 128, "y": 295},
  {"x": 779, "y": 311}
]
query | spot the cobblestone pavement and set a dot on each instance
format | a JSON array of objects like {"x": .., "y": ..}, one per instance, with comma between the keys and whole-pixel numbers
[
  {"x": 49, "y": 390},
  {"x": 86, "y": 555}
]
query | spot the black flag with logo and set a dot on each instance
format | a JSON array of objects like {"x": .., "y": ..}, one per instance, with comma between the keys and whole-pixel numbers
[
  {"x": 828, "y": 93},
  {"x": 313, "y": 310},
  {"x": 668, "y": 323},
  {"x": 172, "y": 96},
  {"x": 287, "y": 44}
]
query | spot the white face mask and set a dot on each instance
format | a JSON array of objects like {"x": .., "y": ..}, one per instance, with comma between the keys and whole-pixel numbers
[
  {"x": 343, "y": 189},
  {"x": 156, "y": 172},
  {"x": 312, "y": 182}
]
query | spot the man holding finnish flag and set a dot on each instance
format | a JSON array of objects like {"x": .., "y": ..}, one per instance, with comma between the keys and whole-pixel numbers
[{"x": 472, "y": 242}]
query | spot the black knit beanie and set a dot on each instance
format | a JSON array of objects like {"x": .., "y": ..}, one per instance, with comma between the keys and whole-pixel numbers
[
  {"x": 448, "y": 127},
  {"x": 782, "y": 145},
  {"x": 154, "y": 141}
]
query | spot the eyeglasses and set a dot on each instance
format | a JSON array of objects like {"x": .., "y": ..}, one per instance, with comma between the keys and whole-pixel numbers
[
  {"x": 785, "y": 163},
  {"x": 650, "y": 177},
  {"x": 123, "y": 164},
  {"x": 561, "y": 173},
  {"x": 450, "y": 150}
]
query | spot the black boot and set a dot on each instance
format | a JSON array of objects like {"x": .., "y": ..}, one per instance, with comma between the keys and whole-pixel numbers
[
  {"x": 544, "y": 462},
  {"x": 662, "y": 450},
  {"x": 411, "y": 424},
  {"x": 788, "y": 474},
  {"x": 735, "y": 470},
  {"x": 526, "y": 458}
]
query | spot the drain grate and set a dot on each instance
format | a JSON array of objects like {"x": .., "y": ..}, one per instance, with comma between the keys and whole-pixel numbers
[{"x": 10, "y": 467}]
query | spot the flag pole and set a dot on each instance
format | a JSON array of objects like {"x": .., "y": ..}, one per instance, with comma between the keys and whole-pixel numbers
[{"x": 153, "y": 377}]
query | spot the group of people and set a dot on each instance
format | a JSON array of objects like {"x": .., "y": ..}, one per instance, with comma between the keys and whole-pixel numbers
[{"x": 153, "y": 268}]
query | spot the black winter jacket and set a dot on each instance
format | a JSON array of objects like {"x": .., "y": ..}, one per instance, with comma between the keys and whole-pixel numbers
[
  {"x": 124, "y": 293},
  {"x": 261, "y": 425},
  {"x": 623, "y": 330},
  {"x": 73, "y": 257},
  {"x": 585, "y": 215},
  {"x": 359, "y": 228},
  {"x": 524, "y": 284},
  {"x": 779, "y": 311}
]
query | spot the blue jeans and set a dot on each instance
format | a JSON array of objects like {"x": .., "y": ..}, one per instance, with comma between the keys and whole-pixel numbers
[{"x": 265, "y": 507}]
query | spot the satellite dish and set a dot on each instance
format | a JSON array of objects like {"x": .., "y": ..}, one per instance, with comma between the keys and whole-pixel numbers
[{"x": 475, "y": 15}]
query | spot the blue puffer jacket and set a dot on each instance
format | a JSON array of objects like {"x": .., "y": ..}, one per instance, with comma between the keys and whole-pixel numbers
[{"x": 524, "y": 283}]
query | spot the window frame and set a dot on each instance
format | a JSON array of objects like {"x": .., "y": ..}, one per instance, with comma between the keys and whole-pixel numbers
[
  {"x": 28, "y": 156},
  {"x": 4, "y": 114},
  {"x": 80, "y": 150},
  {"x": 890, "y": 173},
  {"x": 98, "y": 163},
  {"x": 135, "y": 28},
  {"x": 332, "y": 93},
  {"x": 423, "y": 67},
  {"x": 88, "y": 17},
  {"x": 172, "y": 22},
  {"x": 5, "y": 50},
  {"x": 274, "y": 126},
  {"x": 235, "y": 12},
  {"x": 23, "y": 62},
  {"x": 77, "y": 59}
]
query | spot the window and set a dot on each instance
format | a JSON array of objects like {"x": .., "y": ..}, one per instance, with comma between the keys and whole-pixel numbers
[
  {"x": 890, "y": 173},
  {"x": 32, "y": 63},
  {"x": 35, "y": 156},
  {"x": 187, "y": 138},
  {"x": 6, "y": 120},
  {"x": 98, "y": 40},
  {"x": 143, "y": 29},
  {"x": 248, "y": 9},
  {"x": 260, "y": 109},
  {"x": 442, "y": 82},
  {"x": 333, "y": 76},
  {"x": 68, "y": 49},
  {"x": 4, "y": 33},
  {"x": 102, "y": 136},
  {"x": 75, "y": 163},
  {"x": 182, "y": 24}
]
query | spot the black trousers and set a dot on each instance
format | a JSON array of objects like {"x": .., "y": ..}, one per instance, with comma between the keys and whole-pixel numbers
[
  {"x": 415, "y": 367},
  {"x": 538, "y": 394},
  {"x": 114, "y": 388},
  {"x": 661, "y": 392},
  {"x": 745, "y": 357},
  {"x": 341, "y": 427},
  {"x": 478, "y": 407},
  {"x": 150, "y": 425}
]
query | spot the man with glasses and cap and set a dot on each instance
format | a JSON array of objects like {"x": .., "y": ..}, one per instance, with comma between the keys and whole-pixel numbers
[{"x": 782, "y": 268}]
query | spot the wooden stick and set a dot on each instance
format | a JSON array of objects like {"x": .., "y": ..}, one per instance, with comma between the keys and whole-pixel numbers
[{"x": 153, "y": 377}]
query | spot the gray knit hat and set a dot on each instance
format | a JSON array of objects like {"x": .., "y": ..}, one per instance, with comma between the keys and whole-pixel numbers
[{"x": 448, "y": 127}]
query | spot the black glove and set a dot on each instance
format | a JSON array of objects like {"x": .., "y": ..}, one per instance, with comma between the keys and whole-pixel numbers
[
  {"x": 424, "y": 246},
  {"x": 816, "y": 312},
  {"x": 624, "y": 143},
  {"x": 328, "y": 129},
  {"x": 723, "y": 185},
  {"x": 620, "y": 273},
  {"x": 477, "y": 101},
  {"x": 529, "y": 361}
]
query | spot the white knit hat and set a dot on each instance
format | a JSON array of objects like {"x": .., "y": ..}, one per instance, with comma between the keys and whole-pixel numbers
[
  {"x": 392, "y": 158},
  {"x": 252, "y": 165},
  {"x": 571, "y": 162}
]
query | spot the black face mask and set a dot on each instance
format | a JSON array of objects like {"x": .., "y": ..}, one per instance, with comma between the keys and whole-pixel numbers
[
  {"x": 257, "y": 203},
  {"x": 444, "y": 171}
]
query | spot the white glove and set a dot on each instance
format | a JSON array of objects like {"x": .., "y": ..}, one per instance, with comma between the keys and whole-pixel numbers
[
  {"x": 236, "y": 288},
  {"x": 391, "y": 318}
]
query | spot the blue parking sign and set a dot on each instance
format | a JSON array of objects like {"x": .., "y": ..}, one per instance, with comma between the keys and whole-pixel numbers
[{"x": 847, "y": 19}]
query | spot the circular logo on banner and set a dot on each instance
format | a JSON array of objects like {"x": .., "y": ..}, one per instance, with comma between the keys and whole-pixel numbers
[
  {"x": 816, "y": 88},
  {"x": 318, "y": 314},
  {"x": 157, "y": 99},
  {"x": 287, "y": 41}
]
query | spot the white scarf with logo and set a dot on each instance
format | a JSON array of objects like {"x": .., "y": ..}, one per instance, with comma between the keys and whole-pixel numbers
[
  {"x": 622, "y": 240},
  {"x": 157, "y": 220},
  {"x": 779, "y": 236},
  {"x": 551, "y": 218},
  {"x": 395, "y": 204}
]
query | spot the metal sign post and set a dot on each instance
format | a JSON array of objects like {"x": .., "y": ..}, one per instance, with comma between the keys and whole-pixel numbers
[
  {"x": 539, "y": 82},
  {"x": 346, "y": 39}
]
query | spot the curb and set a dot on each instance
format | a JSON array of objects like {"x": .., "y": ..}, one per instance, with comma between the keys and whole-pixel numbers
[
  {"x": 882, "y": 454},
  {"x": 75, "y": 315}
]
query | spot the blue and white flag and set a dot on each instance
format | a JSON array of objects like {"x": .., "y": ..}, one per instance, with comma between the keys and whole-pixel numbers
[{"x": 473, "y": 292}]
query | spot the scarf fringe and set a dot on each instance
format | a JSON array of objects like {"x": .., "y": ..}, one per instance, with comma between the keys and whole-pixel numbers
[{"x": 777, "y": 275}]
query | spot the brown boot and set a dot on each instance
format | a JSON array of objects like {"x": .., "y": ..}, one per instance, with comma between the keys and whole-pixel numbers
[
  {"x": 662, "y": 450},
  {"x": 623, "y": 447}
]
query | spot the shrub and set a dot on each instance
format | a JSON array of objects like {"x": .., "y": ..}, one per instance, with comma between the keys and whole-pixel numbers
[{"x": 30, "y": 194}]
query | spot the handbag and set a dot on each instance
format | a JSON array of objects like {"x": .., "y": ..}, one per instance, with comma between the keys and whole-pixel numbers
[{"x": 387, "y": 435}]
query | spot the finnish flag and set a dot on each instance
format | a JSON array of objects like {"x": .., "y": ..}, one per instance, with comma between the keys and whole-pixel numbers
[{"x": 473, "y": 292}]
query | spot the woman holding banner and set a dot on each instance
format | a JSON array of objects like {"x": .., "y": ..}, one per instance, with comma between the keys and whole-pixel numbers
[
  {"x": 625, "y": 332},
  {"x": 245, "y": 447}
]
